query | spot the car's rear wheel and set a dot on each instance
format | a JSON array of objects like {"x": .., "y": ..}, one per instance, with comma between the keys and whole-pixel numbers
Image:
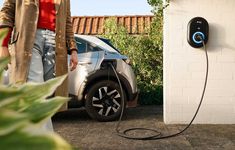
[{"x": 104, "y": 101}]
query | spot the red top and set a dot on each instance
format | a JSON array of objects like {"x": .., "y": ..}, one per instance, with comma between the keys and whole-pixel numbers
[
  {"x": 47, "y": 15},
  {"x": 46, "y": 20},
  {"x": 5, "y": 36}
]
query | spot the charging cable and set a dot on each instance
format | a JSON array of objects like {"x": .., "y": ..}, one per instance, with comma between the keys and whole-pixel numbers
[{"x": 156, "y": 134}]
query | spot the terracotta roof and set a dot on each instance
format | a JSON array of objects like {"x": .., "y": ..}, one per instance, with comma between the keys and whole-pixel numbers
[{"x": 93, "y": 25}]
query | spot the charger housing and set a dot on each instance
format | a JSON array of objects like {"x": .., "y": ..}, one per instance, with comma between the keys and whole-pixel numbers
[{"x": 198, "y": 31}]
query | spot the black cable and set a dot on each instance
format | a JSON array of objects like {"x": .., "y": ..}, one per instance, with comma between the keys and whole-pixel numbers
[{"x": 157, "y": 134}]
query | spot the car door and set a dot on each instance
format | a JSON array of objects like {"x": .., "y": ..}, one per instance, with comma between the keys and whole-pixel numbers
[{"x": 88, "y": 56}]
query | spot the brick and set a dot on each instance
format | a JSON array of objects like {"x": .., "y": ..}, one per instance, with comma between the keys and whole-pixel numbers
[
  {"x": 173, "y": 118},
  {"x": 195, "y": 83},
  {"x": 178, "y": 100},
  {"x": 226, "y": 58},
  {"x": 195, "y": 56},
  {"x": 196, "y": 67},
  {"x": 198, "y": 75},
  {"x": 221, "y": 75},
  {"x": 194, "y": 100},
  {"x": 219, "y": 92},
  {"x": 178, "y": 83},
  {"x": 214, "y": 66},
  {"x": 221, "y": 84},
  {"x": 222, "y": 109},
  {"x": 176, "y": 92},
  {"x": 178, "y": 67},
  {"x": 222, "y": 118},
  {"x": 176, "y": 108},
  {"x": 181, "y": 75},
  {"x": 198, "y": 120},
  {"x": 227, "y": 67},
  {"x": 191, "y": 91},
  {"x": 228, "y": 51},
  {"x": 217, "y": 100}
]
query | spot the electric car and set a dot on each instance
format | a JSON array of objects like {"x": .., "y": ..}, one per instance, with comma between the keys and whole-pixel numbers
[{"x": 95, "y": 82}]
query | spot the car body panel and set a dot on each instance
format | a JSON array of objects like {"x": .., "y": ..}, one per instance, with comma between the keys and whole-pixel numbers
[{"x": 87, "y": 62}]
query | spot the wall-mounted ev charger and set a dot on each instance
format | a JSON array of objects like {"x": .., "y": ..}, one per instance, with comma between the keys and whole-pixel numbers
[
  {"x": 198, "y": 31},
  {"x": 198, "y": 34}
]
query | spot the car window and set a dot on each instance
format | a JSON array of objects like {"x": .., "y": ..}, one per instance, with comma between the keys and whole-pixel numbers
[
  {"x": 92, "y": 47},
  {"x": 84, "y": 46},
  {"x": 81, "y": 45}
]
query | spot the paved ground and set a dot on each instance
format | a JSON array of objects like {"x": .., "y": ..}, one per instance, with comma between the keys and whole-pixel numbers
[{"x": 84, "y": 133}]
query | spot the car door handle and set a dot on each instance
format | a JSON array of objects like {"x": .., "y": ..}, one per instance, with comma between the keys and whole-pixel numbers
[{"x": 84, "y": 62}]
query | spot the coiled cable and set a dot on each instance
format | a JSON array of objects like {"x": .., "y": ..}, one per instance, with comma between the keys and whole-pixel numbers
[{"x": 156, "y": 134}]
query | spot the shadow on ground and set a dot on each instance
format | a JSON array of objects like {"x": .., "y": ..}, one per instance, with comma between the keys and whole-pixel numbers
[{"x": 83, "y": 132}]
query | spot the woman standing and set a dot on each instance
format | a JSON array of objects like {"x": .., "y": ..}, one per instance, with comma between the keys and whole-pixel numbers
[{"x": 41, "y": 32}]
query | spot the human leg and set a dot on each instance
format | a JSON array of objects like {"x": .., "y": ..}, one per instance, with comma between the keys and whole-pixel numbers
[
  {"x": 49, "y": 64},
  {"x": 49, "y": 56},
  {"x": 36, "y": 66}
]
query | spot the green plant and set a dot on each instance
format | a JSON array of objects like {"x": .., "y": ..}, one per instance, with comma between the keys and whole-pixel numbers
[
  {"x": 23, "y": 109},
  {"x": 158, "y": 5},
  {"x": 145, "y": 52}
]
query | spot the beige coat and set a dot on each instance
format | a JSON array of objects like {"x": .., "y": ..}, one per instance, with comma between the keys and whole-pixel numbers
[{"x": 22, "y": 16}]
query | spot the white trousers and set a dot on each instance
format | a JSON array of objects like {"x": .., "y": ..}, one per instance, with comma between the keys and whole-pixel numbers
[{"x": 43, "y": 61}]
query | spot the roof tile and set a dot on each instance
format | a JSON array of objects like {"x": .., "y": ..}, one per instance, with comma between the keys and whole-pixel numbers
[{"x": 94, "y": 25}]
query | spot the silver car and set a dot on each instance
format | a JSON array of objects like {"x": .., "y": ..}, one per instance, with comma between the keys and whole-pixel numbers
[{"x": 94, "y": 84}]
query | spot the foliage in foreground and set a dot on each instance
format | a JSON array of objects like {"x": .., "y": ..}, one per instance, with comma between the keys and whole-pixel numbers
[{"x": 23, "y": 110}]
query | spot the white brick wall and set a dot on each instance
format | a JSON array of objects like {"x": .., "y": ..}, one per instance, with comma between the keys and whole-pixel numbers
[{"x": 184, "y": 66}]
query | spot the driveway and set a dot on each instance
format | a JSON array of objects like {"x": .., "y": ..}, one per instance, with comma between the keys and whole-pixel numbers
[{"x": 84, "y": 133}]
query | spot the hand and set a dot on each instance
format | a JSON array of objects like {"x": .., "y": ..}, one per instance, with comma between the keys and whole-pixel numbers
[
  {"x": 73, "y": 60},
  {"x": 4, "y": 52}
]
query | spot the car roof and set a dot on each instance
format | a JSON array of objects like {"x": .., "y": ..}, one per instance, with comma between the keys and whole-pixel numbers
[{"x": 97, "y": 41}]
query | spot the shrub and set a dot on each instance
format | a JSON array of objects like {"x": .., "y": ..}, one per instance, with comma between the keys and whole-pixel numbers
[{"x": 145, "y": 52}]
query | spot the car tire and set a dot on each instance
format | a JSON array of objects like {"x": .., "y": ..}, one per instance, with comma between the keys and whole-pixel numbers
[{"x": 104, "y": 101}]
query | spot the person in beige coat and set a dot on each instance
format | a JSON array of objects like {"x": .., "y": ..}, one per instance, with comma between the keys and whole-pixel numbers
[{"x": 41, "y": 34}]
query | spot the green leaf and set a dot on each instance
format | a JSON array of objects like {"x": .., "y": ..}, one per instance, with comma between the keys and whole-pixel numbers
[
  {"x": 43, "y": 90},
  {"x": 10, "y": 121},
  {"x": 8, "y": 95},
  {"x": 39, "y": 111},
  {"x": 32, "y": 92},
  {"x": 25, "y": 141}
]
